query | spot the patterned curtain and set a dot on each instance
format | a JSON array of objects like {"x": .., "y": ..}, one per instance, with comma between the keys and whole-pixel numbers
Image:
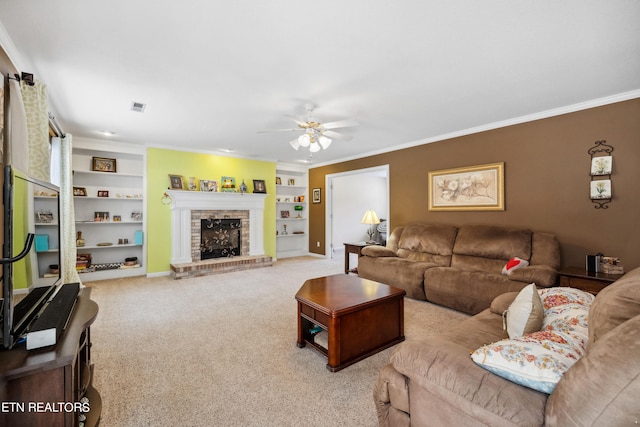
[
  {"x": 67, "y": 213},
  {"x": 35, "y": 104},
  {"x": 18, "y": 138}
]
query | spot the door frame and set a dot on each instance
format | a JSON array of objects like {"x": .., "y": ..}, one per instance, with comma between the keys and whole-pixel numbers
[{"x": 329, "y": 201}]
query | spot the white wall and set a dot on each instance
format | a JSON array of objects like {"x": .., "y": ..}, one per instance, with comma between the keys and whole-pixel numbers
[{"x": 351, "y": 196}]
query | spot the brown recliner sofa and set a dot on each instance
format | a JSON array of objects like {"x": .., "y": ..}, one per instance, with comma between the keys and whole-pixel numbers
[
  {"x": 461, "y": 267},
  {"x": 434, "y": 381}
]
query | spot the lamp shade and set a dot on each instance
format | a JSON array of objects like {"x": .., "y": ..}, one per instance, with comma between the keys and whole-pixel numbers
[
  {"x": 294, "y": 143},
  {"x": 370, "y": 217},
  {"x": 324, "y": 141},
  {"x": 304, "y": 140}
]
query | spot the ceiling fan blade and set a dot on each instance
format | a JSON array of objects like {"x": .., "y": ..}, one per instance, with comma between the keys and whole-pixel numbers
[
  {"x": 340, "y": 124},
  {"x": 296, "y": 119},
  {"x": 277, "y": 130},
  {"x": 336, "y": 135}
]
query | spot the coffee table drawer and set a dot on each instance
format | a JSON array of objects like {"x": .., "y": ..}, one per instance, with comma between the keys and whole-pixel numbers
[{"x": 313, "y": 314}]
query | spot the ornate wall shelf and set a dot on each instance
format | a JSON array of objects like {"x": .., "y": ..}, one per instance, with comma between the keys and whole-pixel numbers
[{"x": 601, "y": 168}]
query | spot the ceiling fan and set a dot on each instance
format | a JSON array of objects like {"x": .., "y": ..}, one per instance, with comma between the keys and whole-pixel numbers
[{"x": 316, "y": 135}]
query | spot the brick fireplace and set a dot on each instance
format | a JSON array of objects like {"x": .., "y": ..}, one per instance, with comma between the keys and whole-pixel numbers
[{"x": 189, "y": 208}]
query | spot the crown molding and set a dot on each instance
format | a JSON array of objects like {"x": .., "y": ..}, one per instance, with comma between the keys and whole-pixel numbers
[{"x": 612, "y": 99}]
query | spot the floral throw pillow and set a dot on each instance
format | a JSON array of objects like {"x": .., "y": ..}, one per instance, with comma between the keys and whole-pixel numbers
[{"x": 539, "y": 359}]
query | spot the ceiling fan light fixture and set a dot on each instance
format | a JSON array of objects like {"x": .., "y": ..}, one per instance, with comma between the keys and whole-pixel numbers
[
  {"x": 324, "y": 141},
  {"x": 304, "y": 140},
  {"x": 316, "y": 135}
]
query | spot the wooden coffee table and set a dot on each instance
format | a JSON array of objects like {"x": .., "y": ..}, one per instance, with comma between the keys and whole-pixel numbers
[{"x": 361, "y": 317}]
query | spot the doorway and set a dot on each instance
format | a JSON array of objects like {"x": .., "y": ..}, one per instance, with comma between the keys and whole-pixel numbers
[{"x": 349, "y": 196}]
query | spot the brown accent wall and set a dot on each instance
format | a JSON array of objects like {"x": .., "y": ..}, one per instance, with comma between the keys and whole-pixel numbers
[{"x": 546, "y": 181}]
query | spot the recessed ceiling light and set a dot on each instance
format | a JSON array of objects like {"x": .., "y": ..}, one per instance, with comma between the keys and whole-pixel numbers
[
  {"x": 138, "y": 107},
  {"x": 107, "y": 132}
]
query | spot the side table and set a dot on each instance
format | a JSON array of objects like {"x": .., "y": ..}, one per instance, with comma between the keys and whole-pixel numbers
[
  {"x": 589, "y": 281},
  {"x": 353, "y": 248}
]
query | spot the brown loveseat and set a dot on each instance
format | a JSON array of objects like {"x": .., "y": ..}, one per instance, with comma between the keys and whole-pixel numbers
[
  {"x": 434, "y": 382},
  {"x": 461, "y": 267}
]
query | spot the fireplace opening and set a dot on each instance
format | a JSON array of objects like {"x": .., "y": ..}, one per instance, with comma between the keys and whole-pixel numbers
[{"x": 219, "y": 238}]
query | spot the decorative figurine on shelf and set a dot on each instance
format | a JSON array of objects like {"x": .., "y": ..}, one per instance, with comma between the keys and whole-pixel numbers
[
  {"x": 243, "y": 187},
  {"x": 284, "y": 229},
  {"x": 80, "y": 240}
]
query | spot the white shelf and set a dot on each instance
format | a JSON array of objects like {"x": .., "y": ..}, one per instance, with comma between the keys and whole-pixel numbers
[
  {"x": 290, "y": 244},
  {"x": 112, "y": 246},
  {"x": 106, "y": 174},
  {"x": 108, "y": 222},
  {"x": 50, "y": 251},
  {"x": 126, "y": 197},
  {"x": 290, "y": 190},
  {"x": 112, "y": 274}
]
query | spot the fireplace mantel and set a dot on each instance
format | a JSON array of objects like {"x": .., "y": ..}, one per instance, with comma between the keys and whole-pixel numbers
[{"x": 183, "y": 202}]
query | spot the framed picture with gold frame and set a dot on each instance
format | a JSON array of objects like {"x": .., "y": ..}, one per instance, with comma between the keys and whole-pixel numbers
[
  {"x": 103, "y": 164},
  {"x": 472, "y": 188},
  {"x": 175, "y": 182}
]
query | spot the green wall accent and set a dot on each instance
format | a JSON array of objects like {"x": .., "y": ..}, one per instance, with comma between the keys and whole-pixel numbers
[
  {"x": 23, "y": 269},
  {"x": 162, "y": 162}
]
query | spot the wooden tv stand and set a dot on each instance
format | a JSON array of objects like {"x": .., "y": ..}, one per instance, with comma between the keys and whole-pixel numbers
[{"x": 43, "y": 387}]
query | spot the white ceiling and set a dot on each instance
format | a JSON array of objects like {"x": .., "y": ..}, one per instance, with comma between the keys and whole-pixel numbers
[{"x": 214, "y": 73}]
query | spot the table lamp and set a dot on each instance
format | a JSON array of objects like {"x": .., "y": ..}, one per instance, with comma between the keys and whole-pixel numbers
[{"x": 370, "y": 218}]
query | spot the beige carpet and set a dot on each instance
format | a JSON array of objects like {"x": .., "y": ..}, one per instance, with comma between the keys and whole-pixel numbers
[{"x": 221, "y": 350}]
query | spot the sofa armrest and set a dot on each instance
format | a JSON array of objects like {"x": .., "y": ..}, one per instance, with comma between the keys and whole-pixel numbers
[
  {"x": 448, "y": 373},
  {"x": 541, "y": 275},
  {"x": 502, "y": 302},
  {"x": 375, "y": 251},
  {"x": 391, "y": 397}
]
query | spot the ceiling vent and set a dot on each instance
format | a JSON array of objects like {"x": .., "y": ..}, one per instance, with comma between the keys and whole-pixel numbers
[{"x": 138, "y": 107}]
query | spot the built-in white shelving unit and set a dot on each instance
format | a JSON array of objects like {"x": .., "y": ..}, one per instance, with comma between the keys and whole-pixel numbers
[
  {"x": 292, "y": 213},
  {"x": 109, "y": 209},
  {"x": 46, "y": 224}
]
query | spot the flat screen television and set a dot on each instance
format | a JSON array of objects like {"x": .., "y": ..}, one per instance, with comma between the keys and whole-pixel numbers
[{"x": 22, "y": 267}]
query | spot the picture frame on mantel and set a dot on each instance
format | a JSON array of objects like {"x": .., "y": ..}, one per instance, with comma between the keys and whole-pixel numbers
[
  {"x": 209, "y": 185},
  {"x": 259, "y": 186},
  {"x": 175, "y": 182},
  {"x": 471, "y": 188}
]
